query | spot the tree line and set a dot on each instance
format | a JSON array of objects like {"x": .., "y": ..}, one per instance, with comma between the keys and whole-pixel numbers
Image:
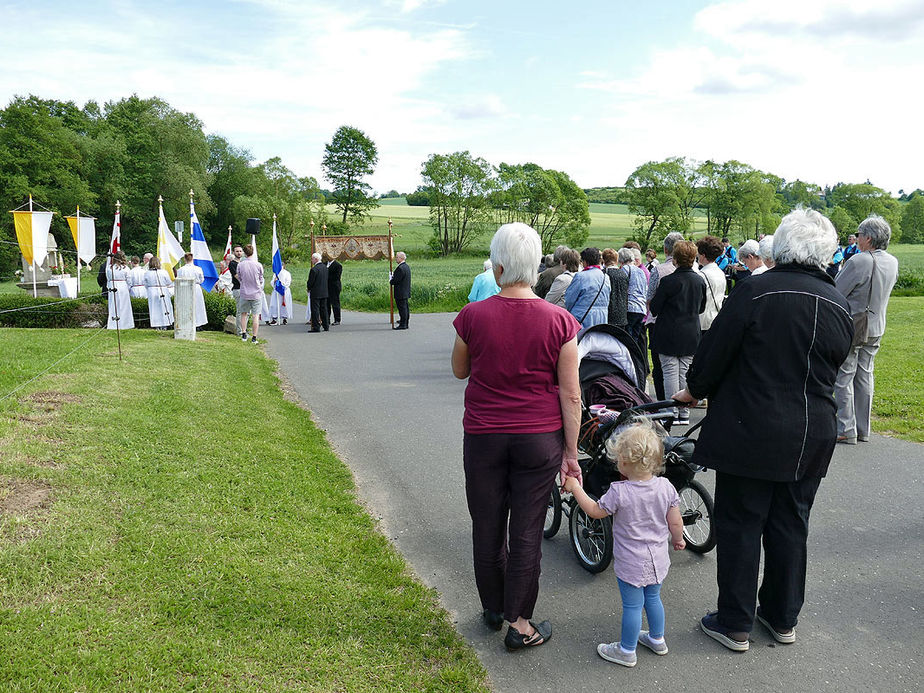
[{"x": 134, "y": 150}]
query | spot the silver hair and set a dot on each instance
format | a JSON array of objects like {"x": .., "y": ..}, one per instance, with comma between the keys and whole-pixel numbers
[
  {"x": 669, "y": 241},
  {"x": 749, "y": 248},
  {"x": 877, "y": 230},
  {"x": 637, "y": 254},
  {"x": 488, "y": 265},
  {"x": 766, "y": 247},
  {"x": 401, "y": 255},
  {"x": 315, "y": 257},
  {"x": 517, "y": 249},
  {"x": 804, "y": 237},
  {"x": 557, "y": 254},
  {"x": 625, "y": 256}
]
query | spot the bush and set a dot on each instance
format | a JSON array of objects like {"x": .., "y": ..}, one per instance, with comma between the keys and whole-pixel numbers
[
  {"x": 45, "y": 311},
  {"x": 910, "y": 282}
]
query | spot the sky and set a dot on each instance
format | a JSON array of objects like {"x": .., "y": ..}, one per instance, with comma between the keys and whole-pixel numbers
[{"x": 819, "y": 90}]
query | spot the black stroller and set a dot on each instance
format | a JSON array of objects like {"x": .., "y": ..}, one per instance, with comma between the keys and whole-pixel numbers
[{"x": 612, "y": 367}]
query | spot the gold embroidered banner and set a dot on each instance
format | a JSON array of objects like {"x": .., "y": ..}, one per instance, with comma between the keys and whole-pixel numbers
[{"x": 353, "y": 247}]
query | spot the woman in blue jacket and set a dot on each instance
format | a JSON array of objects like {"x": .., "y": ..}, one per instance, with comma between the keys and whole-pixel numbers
[{"x": 588, "y": 295}]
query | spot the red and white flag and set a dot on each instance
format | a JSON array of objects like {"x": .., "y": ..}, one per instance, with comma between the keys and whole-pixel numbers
[
  {"x": 115, "y": 243},
  {"x": 227, "y": 255}
]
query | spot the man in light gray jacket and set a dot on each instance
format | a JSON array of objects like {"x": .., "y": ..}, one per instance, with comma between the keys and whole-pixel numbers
[{"x": 865, "y": 280}]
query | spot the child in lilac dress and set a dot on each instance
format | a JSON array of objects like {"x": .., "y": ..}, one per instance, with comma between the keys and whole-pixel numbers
[{"x": 645, "y": 517}]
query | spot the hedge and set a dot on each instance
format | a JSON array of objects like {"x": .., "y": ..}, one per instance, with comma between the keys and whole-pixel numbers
[{"x": 91, "y": 311}]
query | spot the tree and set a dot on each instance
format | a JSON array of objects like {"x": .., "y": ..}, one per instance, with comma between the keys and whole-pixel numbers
[
  {"x": 545, "y": 199},
  {"x": 653, "y": 198},
  {"x": 797, "y": 192},
  {"x": 349, "y": 157},
  {"x": 459, "y": 185},
  {"x": 913, "y": 220},
  {"x": 843, "y": 222}
]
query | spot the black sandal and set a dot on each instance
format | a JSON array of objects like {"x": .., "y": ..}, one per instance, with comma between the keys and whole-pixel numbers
[
  {"x": 515, "y": 640},
  {"x": 492, "y": 619}
]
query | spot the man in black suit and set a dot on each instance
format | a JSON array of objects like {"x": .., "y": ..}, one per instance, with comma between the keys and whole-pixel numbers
[
  {"x": 334, "y": 272},
  {"x": 317, "y": 292},
  {"x": 401, "y": 280}
]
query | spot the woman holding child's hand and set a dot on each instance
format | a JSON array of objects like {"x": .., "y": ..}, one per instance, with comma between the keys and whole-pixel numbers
[
  {"x": 522, "y": 414},
  {"x": 645, "y": 514}
]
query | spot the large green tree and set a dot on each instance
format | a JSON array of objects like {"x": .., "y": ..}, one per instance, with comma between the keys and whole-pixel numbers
[
  {"x": 545, "y": 199},
  {"x": 348, "y": 158},
  {"x": 913, "y": 220},
  {"x": 654, "y": 199},
  {"x": 458, "y": 185}
]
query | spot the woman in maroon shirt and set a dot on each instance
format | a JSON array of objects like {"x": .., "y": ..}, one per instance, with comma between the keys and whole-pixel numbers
[{"x": 522, "y": 413}]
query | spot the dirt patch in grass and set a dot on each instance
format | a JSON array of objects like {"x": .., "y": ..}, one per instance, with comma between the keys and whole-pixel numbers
[
  {"x": 19, "y": 497},
  {"x": 52, "y": 397}
]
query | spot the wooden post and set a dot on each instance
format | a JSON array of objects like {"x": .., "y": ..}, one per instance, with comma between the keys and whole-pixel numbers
[{"x": 391, "y": 288}]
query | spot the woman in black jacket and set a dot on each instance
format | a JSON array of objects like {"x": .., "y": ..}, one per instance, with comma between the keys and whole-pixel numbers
[
  {"x": 680, "y": 298},
  {"x": 768, "y": 366}
]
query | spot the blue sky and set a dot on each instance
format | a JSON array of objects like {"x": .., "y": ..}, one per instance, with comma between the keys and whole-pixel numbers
[{"x": 822, "y": 90}]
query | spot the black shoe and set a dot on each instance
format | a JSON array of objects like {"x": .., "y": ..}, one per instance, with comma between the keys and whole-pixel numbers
[
  {"x": 336, "y": 322},
  {"x": 492, "y": 619},
  {"x": 514, "y": 640},
  {"x": 285, "y": 321},
  {"x": 316, "y": 329}
]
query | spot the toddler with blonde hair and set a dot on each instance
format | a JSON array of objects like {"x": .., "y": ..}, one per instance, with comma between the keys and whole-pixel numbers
[{"x": 645, "y": 517}]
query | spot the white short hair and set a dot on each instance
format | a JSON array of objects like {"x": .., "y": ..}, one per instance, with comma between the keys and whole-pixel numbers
[
  {"x": 637, "y": 254},
  {"x": 488, "y": 265},
  {"x": 625, "y": 256},
  {"x": 804, "y": 237},
  {"x": 315, "y": 257},
  {"x": 766, "y": 247},
  {"x": 400, "y": 255},
  {"x": 748, "y": 248},
  {"x": 517, "y": 249}
]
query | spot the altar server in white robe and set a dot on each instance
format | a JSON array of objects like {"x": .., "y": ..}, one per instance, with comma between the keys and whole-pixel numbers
[
  {"x": 158, "y": 285},
  {"x": 191, "y": 271},
  {"x": 118, "y": 281},
  {"x": 281, "y": 305},
  {"x": 137, "y": 279}
]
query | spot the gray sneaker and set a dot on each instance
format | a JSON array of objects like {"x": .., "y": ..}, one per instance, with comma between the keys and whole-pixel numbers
[
  {"x": 611, "y": 653},
  {"x": 658, "y": 648}
]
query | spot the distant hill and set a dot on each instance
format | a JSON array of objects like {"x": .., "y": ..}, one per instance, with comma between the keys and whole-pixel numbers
[{"x": 611, "y": 196}]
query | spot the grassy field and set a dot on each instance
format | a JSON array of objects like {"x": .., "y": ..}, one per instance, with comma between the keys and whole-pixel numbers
[
  {"x": 170, "y": 522},
  {"x": 897, "y": 406}
]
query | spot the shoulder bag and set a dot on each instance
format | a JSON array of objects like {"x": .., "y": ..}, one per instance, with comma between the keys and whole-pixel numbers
[{"x": 861, "y": 320}]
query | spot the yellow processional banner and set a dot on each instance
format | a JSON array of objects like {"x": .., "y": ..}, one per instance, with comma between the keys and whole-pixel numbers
[{"x": 353, "y": 247}]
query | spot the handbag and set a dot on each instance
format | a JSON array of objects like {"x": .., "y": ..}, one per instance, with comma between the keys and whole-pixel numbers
[{"x": 861, "y": 320}]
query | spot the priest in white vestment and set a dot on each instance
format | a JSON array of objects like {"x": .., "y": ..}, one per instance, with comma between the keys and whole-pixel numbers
[
  {"x": 118, "y": 280},
  {"x": 281, "y": 304},
  {"x": 158, "y": 284}
]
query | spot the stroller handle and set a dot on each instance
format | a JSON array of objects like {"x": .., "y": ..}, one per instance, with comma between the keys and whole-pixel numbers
[{"x": 651, "y": 406}]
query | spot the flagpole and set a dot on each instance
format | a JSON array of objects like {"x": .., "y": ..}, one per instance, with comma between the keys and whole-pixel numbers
[
  {"x": 391, "y": 289},
  {"x": 34, "y": 289},
  {"x": 78, "y": 250}
]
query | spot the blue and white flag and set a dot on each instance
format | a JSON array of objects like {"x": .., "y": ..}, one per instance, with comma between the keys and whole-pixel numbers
[
  {"x": 202, "y": 258},
  {"x": 277, "y": 262}
]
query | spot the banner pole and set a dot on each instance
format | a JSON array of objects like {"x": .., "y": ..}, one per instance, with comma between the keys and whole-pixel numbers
[
  {"x": 78, "y": 250},
  {"x": 34, "y": 289},
  {"x": 391, "y": 288}
]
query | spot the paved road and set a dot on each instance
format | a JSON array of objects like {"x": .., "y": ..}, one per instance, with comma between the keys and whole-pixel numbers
[{"x": 393, "y": 412}]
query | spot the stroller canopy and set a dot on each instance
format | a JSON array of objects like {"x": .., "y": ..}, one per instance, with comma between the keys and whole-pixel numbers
[{"x": 603, "y": 347}]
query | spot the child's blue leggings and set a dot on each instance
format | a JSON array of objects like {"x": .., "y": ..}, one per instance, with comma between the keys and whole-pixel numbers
[{"x": 633, "y": 599}]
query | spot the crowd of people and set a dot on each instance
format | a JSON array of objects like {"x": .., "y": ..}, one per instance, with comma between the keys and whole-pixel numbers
[{"x": 781, "y": 348}]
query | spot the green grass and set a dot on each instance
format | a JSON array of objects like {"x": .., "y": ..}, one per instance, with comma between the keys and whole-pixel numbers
[
  {"x": 897, "y": 404},
  {"x": 193, "y": 530},
  {"x": 910, "y": 256}
]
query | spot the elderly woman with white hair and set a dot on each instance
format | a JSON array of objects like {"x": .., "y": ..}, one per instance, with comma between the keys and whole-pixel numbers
[
  {"x": 484, "y": 285},
  {"x": 522, "y": 413},
  {"x": 795, "y": 319},
  {"x": 765, "y": 250},
  {"x": 749, "y": 256},
  {"x": 867, "y": 281}
]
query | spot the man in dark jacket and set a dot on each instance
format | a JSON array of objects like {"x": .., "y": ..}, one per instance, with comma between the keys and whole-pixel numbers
[
  {"x": 548, "y": 275},
  {"x": 401, "y": 280},
  {"x": 317, "y": 293},
  {"x": 768, "y": 366},
  {"x": 334, "y": 286}
]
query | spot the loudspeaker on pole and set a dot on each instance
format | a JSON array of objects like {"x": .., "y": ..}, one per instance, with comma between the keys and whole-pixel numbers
[{"x": 253, "y": 227}]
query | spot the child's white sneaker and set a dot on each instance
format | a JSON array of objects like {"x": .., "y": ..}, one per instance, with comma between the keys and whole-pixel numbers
[
  {"x": 612, "y": 652},
  {"x": 659, "y": 648}
]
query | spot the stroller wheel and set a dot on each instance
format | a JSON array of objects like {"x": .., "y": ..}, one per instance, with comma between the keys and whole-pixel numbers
[
  {"x": 592, "y": 540},
  {"x": 552, "y": 514},
  {"x": 696, "y": 509}
]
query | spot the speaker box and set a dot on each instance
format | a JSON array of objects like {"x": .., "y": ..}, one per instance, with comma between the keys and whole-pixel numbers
[{"x": 253, "y": 227}]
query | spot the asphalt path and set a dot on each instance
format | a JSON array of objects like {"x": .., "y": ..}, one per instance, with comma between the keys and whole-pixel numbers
[{"x": 393, "y": 413}]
